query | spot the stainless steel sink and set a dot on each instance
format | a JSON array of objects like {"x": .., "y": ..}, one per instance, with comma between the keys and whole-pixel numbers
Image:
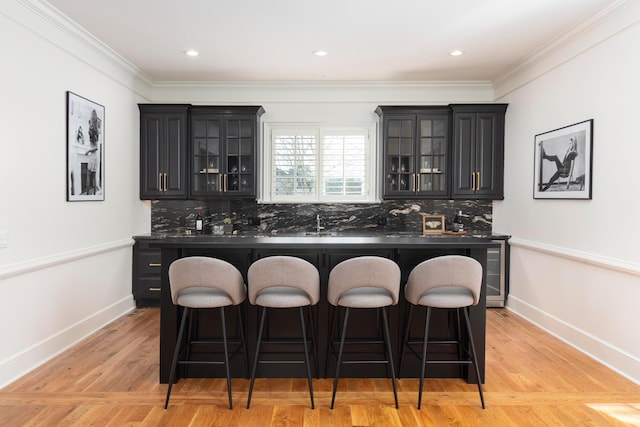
[{"x": 320, "y": 234}]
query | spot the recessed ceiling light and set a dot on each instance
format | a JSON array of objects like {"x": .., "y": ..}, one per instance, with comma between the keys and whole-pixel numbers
[
  {"x": 456, "y": 53},
  {"x": 320, "y": 52},
  {"x": 191, "y": 52}
]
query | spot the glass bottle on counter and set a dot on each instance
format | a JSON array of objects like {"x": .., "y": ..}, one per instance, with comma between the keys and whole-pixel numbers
[
  {"x": 457, "y": 222},
  {"x": 199, "y": 225}
]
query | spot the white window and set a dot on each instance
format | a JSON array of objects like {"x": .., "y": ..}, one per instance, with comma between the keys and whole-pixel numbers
[{"x": 318, "y": 164}]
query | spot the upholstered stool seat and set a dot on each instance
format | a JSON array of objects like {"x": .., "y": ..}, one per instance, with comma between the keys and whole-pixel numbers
[
  {"x": 366, "y": 297},
  {"x": 282, "y": 297},
  {"x": 447, "y": 297}
]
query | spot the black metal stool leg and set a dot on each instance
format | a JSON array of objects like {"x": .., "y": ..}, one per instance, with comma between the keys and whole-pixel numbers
[
  {"x": 405, "y": 342},
  {"x": 314, "y": 341},
  {"x": 176, "y": 354},
  {"x": 387, "y": 340},
  {"x": 342, "y": 337},
  {"x": 332, "y": 328},
  {"x": 226, "y": 355},
  {"x": 255, "y": 360},
  {"x": 461, "y": 350},
  {"x": 381, "y": 327},
  {"x": 473, "y": 353},
  {"x": 306, "y": 356},
  {"x": 424, "y": 354},
  {"x": 243, "y": 341}
]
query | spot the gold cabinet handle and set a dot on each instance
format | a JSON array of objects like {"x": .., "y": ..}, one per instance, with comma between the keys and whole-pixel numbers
[
  {"x": 478, "y": 181},
  {"x": 165, "y": 181},
  {"x": 224, "y": 186},
  {"x": 154, "y": 289},
  {"x": 155, "y": 264},
  {"x": 160, "y": 182},
  {"x": 473, "y": 181},
  {"x": 413, "y": 184}
]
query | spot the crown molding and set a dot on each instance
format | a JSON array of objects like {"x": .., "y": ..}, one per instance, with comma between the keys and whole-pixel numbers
[
  {"x": 602, "y": 25},
  {"x": 308, "y": 84},
  {"x": 111, "y": 64}
]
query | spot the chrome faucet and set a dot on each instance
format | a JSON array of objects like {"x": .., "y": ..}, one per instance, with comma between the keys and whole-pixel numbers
[{"x": 318, "y": 226}]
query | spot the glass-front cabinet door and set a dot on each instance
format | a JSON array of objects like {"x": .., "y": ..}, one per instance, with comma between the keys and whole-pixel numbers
[
  {"x": 207, "y": 176},
  {"x": 431, "y": 175},
  {"x": 240, "y": 159},
  {"x": 399, "y": 154},
  {"x": 415, "y": 155},
  {"x": 223, "y": 151}
]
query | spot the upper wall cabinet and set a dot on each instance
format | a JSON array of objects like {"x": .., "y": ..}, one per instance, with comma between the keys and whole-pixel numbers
[
  {"x": 223, "y": 151},
  {"x": 163, "y": 139},
  {"x": 198, "y": 152},
  {"x": 415, "y": 147},
  {"x": 478, "y": 151}
]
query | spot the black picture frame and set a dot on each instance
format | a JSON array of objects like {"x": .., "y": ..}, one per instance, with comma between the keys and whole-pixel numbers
[
  {"x": 85, "y": 149},
  {"x": 563, "y": 162}
]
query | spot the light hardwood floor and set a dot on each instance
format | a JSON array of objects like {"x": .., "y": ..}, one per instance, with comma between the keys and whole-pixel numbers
[{"x": 111, "y": 379}]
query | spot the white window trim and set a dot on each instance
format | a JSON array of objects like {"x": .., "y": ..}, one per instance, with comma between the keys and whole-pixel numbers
[{"x": 266, "y": 163}]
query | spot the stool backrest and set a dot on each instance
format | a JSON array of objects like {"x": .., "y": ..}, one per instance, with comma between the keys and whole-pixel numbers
[
  {"x": 444, "y": 271},
  {"x": 287, "y": 271},
  {"x": 206, "y": 272},
  {"x": 361, "y": 272}
]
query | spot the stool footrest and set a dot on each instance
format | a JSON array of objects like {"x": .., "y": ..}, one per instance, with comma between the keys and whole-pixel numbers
[
  {"x": 273, "y": 362},
  {"x": 200, "y": 362},
  {"x": 461, "y": 362}
]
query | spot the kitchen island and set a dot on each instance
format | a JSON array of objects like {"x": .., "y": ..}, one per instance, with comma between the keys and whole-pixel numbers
[{"x": 324, "y": 251}]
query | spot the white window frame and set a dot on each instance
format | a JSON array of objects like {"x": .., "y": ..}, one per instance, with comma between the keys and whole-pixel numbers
[{"x": 320, "y": 129}]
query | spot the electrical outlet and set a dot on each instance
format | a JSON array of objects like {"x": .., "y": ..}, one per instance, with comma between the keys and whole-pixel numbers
[{"x": 4, "y": 239}]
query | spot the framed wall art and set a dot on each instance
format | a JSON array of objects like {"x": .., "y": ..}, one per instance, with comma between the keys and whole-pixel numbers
[
  {"x": 85, "y": 149},
  {"x": 563, "y": 162}
]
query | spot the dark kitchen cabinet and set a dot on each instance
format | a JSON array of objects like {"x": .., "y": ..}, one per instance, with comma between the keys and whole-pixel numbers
[
  {"x": 163, "y": 139},
  {"x": 147, "y": 273},
  {"x": 223, "y": 151},
  {"x": 415, "y": 161},
  {"x": 478, "y": 151}
]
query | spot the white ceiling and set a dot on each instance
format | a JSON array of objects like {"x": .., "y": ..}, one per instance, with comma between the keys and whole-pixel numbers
[{"x": 367, "y": 40}]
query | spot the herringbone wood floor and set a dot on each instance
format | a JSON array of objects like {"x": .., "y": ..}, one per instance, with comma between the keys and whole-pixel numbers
[{"x": 111, "y": 379}]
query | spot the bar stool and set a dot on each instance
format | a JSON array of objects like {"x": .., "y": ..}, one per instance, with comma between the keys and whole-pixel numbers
[
  {"x": 202, "y": 282},
  {"x": 449, "y": 282},
  {"x": 363, "y": 282},
  {"x": 284, "y": 282}
]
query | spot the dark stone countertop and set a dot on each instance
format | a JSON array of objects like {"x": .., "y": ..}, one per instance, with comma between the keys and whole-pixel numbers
[{"x": 324, "y": 239}]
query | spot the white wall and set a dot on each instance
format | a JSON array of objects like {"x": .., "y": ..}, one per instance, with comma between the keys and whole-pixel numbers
[
  {"x": 575, "y": 266},
  {"x": 67, "y": 270}
]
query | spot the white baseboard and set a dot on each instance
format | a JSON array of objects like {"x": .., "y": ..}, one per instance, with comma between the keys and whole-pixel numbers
[
  {"x": 32, "y": 357},
  {"x": 614, "y": 358}
]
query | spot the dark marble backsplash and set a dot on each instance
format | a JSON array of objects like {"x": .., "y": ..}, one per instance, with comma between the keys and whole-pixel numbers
[{"x": 177, "y": 216}]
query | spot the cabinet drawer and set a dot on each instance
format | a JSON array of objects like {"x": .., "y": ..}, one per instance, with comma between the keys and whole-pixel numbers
[
  {"x": 148, "y": 287},
  {"x": 148, "y": 262}
]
